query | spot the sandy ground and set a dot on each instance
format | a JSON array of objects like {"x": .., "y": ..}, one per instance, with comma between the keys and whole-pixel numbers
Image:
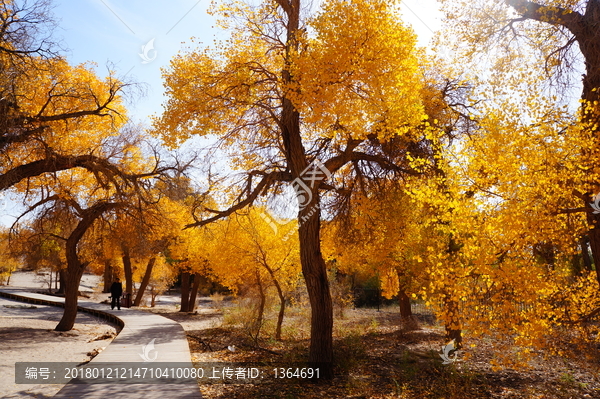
[{"x": 27, "y": 334}]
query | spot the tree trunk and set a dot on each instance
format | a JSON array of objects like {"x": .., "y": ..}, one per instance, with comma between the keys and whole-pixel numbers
[
  {"x": 315, "y": 274},
  {"x": 72, "y": 280},
  {"x": 127, "y": 271},
  {"x": 74, "y": 266},
  {"x": 194, "y": 293},
  {"x": 587, "y": 37},
  {"x": 405, "y": 308},
  {"x": 452, "y": 326},
  {"x": 145, "y": 281},
  {"x": 108, "y": 275},
  {"x": 585, "y": 254},
  {"x": 185, "y": 291},
  {"x": 262, "y": 299},
  {"x": 280, "y": 316},
  {"x": 593, "y": 235},
  {"x": 309, "y": 216},
  {"x": 279, "y": 293},
  {"x": 153, "y": 295}
]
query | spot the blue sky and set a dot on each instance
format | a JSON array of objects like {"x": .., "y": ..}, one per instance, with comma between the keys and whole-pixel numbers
[{"x": 113, "y": 31}]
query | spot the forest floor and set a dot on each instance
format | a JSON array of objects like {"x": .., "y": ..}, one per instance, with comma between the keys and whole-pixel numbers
[{"x": 375, "y": 358}]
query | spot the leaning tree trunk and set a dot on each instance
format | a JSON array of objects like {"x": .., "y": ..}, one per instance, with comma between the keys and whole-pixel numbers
[
  {"x": 145, "y": 281},
  {"x": 194, "y": 293},
  {"x": 74, "y": 266},
  {"x": 281, "y": 313},
  {"x": 72, "y": 280}
]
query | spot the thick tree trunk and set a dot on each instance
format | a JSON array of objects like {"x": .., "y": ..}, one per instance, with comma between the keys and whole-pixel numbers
[
  {"x": 586, "y": 33},
  {"x": 194, "y": 293},
  {"x": 405, "y": 308},
  {"x": 185, "y": 291},
  {"x": 315, "y": 274},
  {"x": 128, "y": 271},
  {"x": 593, "y": 234},
  {"x": 145, "y": 281},
  {"x": 74, "y": 266},
  {"x": 72, "y": 279},
  {"x": 108, "y": 275}
]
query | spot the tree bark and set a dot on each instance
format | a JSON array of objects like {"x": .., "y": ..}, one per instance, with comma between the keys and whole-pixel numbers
[
  {"x": 280, "y": 317},
  {"x": 74, "y": 266},
  {"x": 185, "y": 291},
  {"x": 280, "y": 294},
  {"x": 585, "y": 255},
  {"x": 153, "y": 295},
  {"x": 194, "y": 293},
  {"x": 262, "y": 299},
  {"x": 281, "y": 313},
  {"x": 594, "y": 235},
  {"x": 145, "y": 281},
  {"x": 315, "y": 274},
  {"x": 405, "y": 308},
  {"x": 127, "y": 270},
  {"x": 73, "y": 278},
  {"x": 593, "y": 220}
]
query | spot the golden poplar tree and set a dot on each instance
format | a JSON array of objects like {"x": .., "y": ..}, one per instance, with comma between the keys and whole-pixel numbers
[{"x": 294, "y": 98}]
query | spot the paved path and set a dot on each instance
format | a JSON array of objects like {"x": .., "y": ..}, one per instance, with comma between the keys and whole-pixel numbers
[{"x": 138, "y": 329}]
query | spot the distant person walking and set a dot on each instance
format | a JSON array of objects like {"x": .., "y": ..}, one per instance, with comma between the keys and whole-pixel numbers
[{"x": 116, "y": 290}]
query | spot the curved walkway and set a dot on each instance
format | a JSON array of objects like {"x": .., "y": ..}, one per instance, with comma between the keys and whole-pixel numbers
[{"x": 138, "y": 329}]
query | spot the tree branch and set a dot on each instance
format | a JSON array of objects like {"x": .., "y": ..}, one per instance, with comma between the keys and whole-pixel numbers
[
  {"x": 572, "y": 20},
  {"x": 260, "y": 189}
]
